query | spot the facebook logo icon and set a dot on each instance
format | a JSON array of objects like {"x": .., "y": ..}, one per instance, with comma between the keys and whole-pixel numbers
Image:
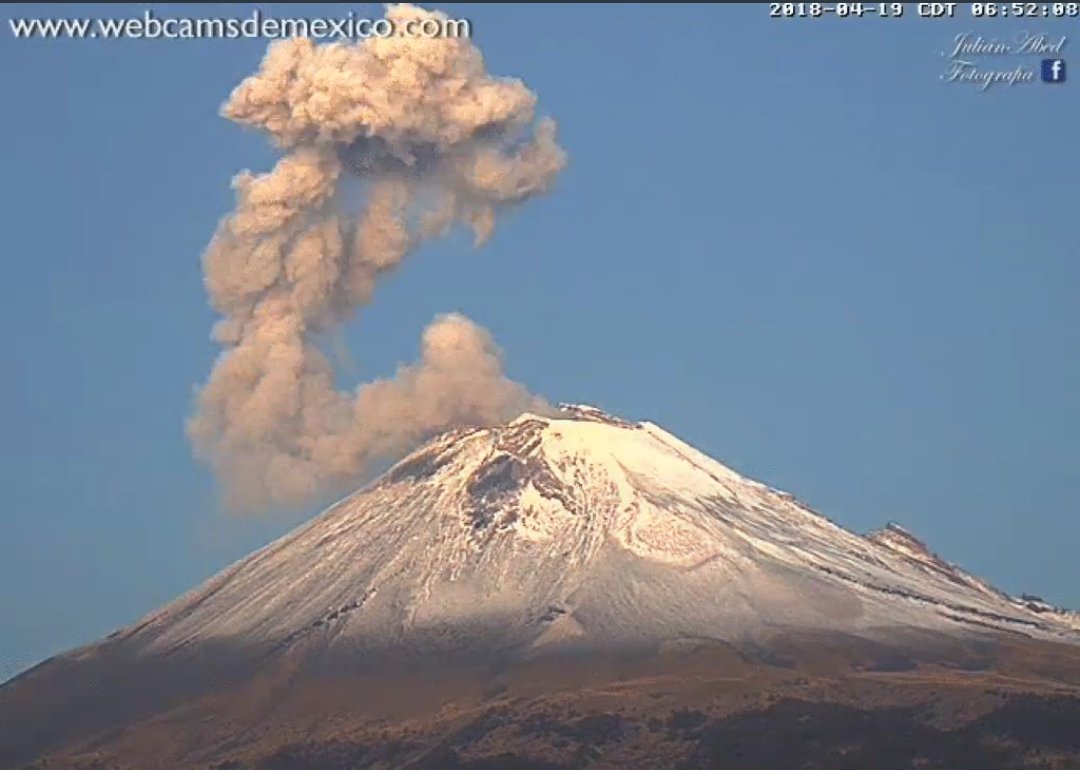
[{"x": 1053, "y": 70}]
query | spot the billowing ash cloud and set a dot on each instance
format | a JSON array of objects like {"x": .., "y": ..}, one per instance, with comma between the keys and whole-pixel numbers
[{"x": 430, "y": 139}]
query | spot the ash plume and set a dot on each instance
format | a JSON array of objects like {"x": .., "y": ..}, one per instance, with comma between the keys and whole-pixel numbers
[{"x": 431, "y": 140}]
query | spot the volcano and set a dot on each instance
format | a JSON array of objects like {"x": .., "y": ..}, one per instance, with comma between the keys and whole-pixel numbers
[{"x": 567, "y": 590}]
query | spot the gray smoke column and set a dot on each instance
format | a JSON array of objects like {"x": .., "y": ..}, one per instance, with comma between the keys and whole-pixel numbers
[{"x": 431, "y": 140}]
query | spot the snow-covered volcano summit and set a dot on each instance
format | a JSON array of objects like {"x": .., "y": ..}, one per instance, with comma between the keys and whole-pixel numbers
[
  {"x": 581, "y": 530},
  {"x": 488, "y": 551}
]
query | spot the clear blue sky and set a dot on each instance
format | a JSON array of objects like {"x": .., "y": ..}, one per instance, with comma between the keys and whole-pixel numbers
[{"x": 788, "y": 242}]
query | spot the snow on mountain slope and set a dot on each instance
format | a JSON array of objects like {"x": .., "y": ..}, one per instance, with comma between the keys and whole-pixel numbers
[{"x": 582, "y": 530}]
